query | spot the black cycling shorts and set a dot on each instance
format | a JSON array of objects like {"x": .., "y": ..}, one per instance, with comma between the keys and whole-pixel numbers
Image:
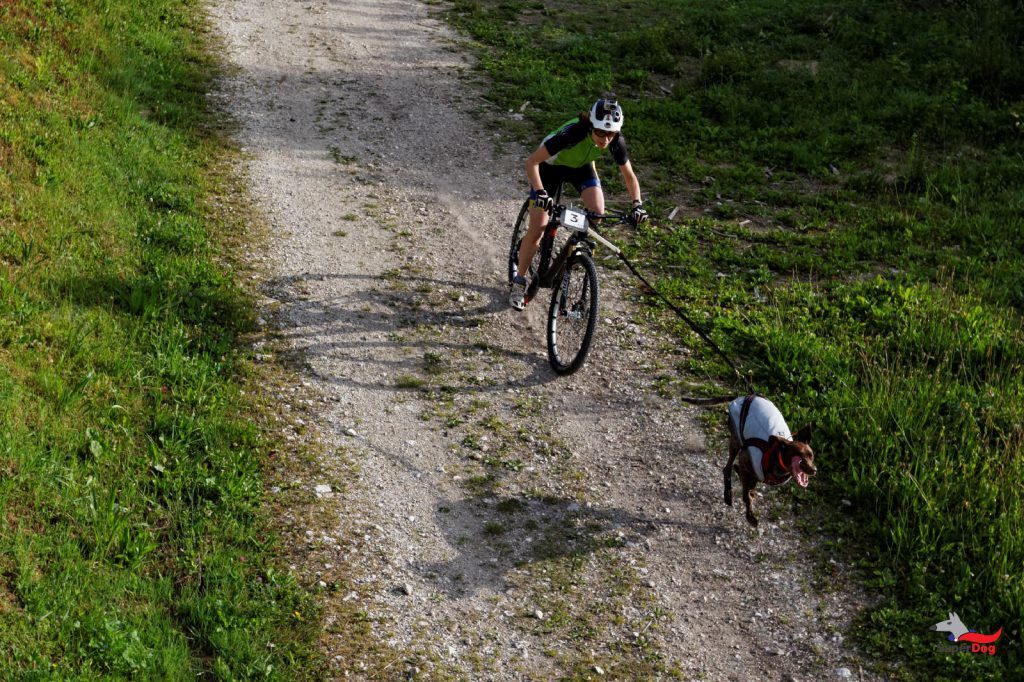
[{"x": 581, "y": 178}]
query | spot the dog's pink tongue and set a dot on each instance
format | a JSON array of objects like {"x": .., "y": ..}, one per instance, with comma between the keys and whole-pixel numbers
[{"x": 798, "y": 474}]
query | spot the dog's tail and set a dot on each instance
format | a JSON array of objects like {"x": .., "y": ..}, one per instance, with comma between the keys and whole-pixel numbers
[{"x": 707, "y": 401}]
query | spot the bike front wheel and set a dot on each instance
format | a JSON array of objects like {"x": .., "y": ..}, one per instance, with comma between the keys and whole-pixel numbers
[{"x": 573, "y": 315}]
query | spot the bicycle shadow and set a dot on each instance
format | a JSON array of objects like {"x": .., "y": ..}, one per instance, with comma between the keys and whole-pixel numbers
[
  {"x": 498, "y": 540},
  {"x": 417, "y": 314}
]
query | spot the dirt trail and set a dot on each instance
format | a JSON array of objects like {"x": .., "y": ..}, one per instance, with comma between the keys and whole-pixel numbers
[{"x": 506, "y": 524}]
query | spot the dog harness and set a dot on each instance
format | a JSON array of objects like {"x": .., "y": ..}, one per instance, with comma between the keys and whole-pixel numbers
[{"x": 758, "y": 419}]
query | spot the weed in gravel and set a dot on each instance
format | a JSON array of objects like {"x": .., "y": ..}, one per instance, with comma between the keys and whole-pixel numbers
[
  {"x": 511, "y": 505},
  {"x": 434, "y": 364},
  {"x": 495, "y": 528},
  {"x": 409, "y": 381},
  {"x": 341, "y": 158}
]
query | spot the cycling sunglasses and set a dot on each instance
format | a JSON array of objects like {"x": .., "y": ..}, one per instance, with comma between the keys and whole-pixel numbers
[{"x": 604, "y": 133}]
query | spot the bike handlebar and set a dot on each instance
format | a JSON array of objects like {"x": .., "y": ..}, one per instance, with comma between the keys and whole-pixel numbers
[{"x": 616, "y": 216}]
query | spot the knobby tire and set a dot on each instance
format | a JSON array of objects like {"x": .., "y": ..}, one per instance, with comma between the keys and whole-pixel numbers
[
  {"x": 522, "y": 224},
  {"x": 572, "y": 315}
]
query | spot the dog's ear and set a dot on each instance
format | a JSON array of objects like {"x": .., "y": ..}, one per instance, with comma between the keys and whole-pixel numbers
[{"x": 804, "y": 435}]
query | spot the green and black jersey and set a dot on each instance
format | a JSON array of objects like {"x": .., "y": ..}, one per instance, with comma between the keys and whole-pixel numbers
[{"x": 572, "y": 146}]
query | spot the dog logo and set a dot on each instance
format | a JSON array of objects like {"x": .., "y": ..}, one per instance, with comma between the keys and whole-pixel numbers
[{"x": 961, "y": 636}]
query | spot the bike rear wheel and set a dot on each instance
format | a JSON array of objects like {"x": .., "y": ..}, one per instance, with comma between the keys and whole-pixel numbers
[
  {"x": 573, "y": 315},
  {"x": 522, "y": 224}
]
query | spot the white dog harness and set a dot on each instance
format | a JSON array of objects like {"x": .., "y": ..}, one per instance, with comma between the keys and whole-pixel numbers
[{"x": 756, "y": 420}]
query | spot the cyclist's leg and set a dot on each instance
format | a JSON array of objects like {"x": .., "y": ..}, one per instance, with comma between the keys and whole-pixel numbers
[
  {"x": 531, "y": 241},
  {"x": 589, "y": 186},
  {"x": 551, "y": 178}
]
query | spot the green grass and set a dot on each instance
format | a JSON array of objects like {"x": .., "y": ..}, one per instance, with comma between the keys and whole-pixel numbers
[
  {"x": 857, "y": 169},
  {"x": 132, "y": 543}
]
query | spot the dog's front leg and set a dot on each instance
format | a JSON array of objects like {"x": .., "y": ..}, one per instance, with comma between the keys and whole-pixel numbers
[
  {"x": 748, "y": 498},
  {"x": 733, "y": 451}
]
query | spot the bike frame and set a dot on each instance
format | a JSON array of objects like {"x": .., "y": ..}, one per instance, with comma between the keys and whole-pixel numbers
[{"x": 550, "y": 273}]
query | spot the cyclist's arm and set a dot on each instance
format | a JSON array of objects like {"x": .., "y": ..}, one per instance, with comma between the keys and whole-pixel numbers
[
  {"x": 533, "y": 162},
  {"x": 632, "y": 184}
]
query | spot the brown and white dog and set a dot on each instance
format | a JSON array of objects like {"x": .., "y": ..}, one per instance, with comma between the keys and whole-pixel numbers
[{"x": 767, "y": 452}]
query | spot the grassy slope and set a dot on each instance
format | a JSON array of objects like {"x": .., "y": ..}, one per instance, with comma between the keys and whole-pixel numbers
[
  {"x": 131, "y": 543},
  {"x": 858, "y": 175}
]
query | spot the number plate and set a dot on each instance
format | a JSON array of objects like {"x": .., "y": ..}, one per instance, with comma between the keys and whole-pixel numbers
[{"x": 574, "y": 220}]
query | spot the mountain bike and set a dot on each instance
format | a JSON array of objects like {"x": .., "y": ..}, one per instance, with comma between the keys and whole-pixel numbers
[{"x": 572, "y": 314}]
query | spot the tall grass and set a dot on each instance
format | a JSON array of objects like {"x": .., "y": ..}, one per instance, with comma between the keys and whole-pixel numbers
[
  {"x": 859, "y": 169},
  {"x": 131, "y": 541}
]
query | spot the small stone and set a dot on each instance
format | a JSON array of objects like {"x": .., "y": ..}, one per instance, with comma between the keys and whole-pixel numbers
[
  {"x": 406, "y": 589},
  {"x": 323, "y": 489},
  {"x": 350, "y": 432},
  {"x": 598, "y": 670},
  {"x": 538, "y": 614},
  {"x": 843, "y": 673}
]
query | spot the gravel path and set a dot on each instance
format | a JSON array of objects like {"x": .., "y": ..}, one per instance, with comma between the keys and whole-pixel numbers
[{"x": 494, "y": 522}]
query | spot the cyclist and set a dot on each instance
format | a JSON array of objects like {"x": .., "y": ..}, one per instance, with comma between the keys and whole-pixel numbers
[{"x": 567, "y": 155}]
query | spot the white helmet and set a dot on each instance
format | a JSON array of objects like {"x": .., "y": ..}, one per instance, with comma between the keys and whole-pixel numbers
[{"x": 606, "y": 114}]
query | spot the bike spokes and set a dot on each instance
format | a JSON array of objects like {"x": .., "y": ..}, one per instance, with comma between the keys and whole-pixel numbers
[{"x": 573, "y": 315}]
